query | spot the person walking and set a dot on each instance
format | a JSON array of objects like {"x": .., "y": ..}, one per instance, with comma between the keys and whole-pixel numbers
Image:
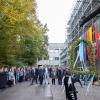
[
  {"x": 70, "y": 90},
  {"x": 41, "y": 74},
  {"x": 76, "y": 78},
  {"x": 21, "y": 75},
  {"x": 32, "y": 75},
  {"x": 11, "y": 78},
  {"x": 59, "y": 75},
  {"x": 46, "y": 76},
  {"x": 36, "y": 75},
  {"x": 53, "y": 76}
]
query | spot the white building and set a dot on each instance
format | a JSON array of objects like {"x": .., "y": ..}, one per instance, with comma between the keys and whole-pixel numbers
[{"x": 54, "y": 50}]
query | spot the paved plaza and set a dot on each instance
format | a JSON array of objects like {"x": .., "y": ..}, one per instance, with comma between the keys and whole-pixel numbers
[{"x": 23, "y": 91}]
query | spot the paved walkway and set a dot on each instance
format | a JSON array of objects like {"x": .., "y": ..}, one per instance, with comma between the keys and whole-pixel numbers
[
  {"x": 23, "y": 91},
  {"x": 58, "y": 92},
  {"x": 93, "y": 94}
]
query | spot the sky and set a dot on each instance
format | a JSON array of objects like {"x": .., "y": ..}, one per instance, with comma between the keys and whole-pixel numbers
[{"x": 56, "y": 14}]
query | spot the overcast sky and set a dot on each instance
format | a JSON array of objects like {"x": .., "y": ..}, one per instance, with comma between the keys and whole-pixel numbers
[{"x": 56, "y": 14}]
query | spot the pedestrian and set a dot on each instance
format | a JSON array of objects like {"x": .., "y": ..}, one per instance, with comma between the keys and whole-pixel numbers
[
  {"x": 11, "y": 78},
  {"x": 50, "y": 70},
  {"x": 70, "y": 90},
  {"x": 21, "y": 75},
  {"x": 46, "y": 75},
  {"x": 53, "y": 76},
  {"x": 76, "y": 78},
  {"x": 26, "y": 74},
  {"x": 36, "y": 75},
  {"x": 32, "y": 75},
  {"x": 59, "y": 75},
  {"x": 41, "y": 74},
  {"x": 3, "y": 78}
]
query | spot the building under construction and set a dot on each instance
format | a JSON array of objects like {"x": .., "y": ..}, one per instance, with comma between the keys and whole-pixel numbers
[{"x": 85, "y": 13}]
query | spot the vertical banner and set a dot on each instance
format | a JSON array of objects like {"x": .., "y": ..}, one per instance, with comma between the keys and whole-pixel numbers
[
  {"x": 82, "y": 50},
  {"x": 82, "y": 53},
  {"x": 99, "y": 36},
  {"x": 89, "y": 38},
  {"x": 97, "y": 39},
  {"x": 90, "y": 34},
  {"x": 98, "y": 26}
]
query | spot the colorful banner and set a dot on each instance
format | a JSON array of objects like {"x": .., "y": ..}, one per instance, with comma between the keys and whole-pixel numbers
[
  {"x": 82, "y": 52},
  {"x": 89, "y": 38},
  {"x": 98, "y": 22},
  {"x": 99, "y": 36},
  {"x": 89, "y": 34},
  {"x": 97, "y": 40}
]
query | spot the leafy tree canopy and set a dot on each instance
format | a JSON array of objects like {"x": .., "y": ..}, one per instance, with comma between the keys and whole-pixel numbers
[{"x": 23, "y": 38}]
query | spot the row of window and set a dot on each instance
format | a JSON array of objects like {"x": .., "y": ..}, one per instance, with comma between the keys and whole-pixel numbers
[
  {"x": 56, "y": 50},
  {"x": 55, "y": 58}
]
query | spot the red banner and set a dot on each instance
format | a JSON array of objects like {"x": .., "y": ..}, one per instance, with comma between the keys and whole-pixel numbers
[{"x": 97, "y": 37}]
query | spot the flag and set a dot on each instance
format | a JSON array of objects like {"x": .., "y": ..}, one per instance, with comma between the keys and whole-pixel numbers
[
  {"x": 89, "y": 34},
  {"x": 97, "y": 36},
  {"x": 82, "y": 51},
  {"x": 89, "y": 38},
  {"x": 88, "y": 53},
  {"x": 98, "y": 22}
]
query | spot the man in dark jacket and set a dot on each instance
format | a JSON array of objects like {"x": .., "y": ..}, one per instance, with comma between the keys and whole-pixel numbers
[
  {"x": 53, "y": 76},
  {"x": 36, "y": 74},
  {"x": 3, "y": 79},
  {"x": 70, "y": 89},
  {"x": 59, "y": 76},
  {"x": 41, "y": 74},
  {"x": 32, "y": 75}
]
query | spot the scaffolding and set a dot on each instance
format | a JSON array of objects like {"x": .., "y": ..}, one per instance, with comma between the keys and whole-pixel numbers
[{"x": 82, "y": 8}]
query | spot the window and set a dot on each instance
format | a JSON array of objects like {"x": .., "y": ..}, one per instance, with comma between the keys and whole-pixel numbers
[{"x": 56, "y": 58}]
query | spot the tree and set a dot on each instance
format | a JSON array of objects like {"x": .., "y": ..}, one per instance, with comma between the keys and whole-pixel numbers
[{"x": 22, "y": 36}]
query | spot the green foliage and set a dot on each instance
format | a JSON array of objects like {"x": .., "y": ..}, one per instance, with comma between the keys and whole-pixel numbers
[
  {"x": 92, "y": 68},
  {"x": 23, "y": 38}
]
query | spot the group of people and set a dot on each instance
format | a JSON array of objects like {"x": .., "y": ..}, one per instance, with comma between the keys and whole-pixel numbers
[
  {"x": 35, "y": 75},
  {"x": 42, "y": 75},
  {"x": 62, "y": 75},
  {"x": 11, "y": 76}
]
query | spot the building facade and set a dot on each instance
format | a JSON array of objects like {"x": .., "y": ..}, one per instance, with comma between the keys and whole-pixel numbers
[
  {"x": 54, "y": 50},
  {"x": 84, "y": 15},
  {"x": 64, "y": 55}
]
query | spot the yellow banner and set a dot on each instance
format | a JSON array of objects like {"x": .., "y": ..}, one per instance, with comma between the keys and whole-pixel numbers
[{"x": 90, "y": 33}]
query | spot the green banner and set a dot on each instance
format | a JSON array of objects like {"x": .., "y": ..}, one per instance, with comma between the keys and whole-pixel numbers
[{"x": 98, "y": 25}]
